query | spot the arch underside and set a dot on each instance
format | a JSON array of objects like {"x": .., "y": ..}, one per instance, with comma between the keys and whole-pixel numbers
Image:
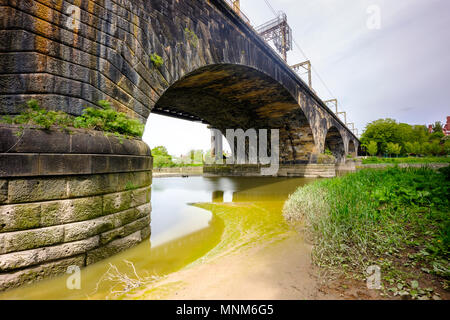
[
  {"x": 229, "y": 96},
  {"x": 335, "y": 144},
  {"x": 352, "y": 148}
]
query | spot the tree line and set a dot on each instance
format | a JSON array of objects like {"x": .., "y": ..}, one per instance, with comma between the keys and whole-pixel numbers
[
  {"x": 388, "y": 137},
  {"x": 162, "y": 158}
]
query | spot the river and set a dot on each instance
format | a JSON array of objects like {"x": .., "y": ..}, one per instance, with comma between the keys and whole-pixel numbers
[{"x": 194, "y": 220}]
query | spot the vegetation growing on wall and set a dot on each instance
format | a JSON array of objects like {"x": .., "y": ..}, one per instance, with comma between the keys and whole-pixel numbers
[
  {"x": 392, "y": 138},
  {"x": 191, "y": 37},
  {"x": 156, "y": 60},
  {"x": 397, "y": 219},
  {"x": 104, "y": 118}
]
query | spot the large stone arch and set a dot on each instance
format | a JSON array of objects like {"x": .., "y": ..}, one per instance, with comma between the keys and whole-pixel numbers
[
  {"x": 229, "y": 96},
  {"x": 69, "y": 54}
]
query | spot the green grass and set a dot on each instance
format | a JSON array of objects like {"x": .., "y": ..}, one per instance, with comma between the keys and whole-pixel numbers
[
  {"x": 398, "y": 219},
  {"x": 377, "y": 160}
]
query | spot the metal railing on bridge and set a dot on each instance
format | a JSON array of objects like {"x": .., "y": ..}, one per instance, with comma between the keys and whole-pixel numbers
[{"x": 235, "y": 5}]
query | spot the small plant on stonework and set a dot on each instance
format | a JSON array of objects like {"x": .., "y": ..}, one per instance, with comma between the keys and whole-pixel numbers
[
  {"x": 191, "y": 37},
  {"x": 107, "y": 119},
  {"x": 328, "y": 152},
  {"x": 156, "y": 60},
  {"x": 326, "y": 159},
  {"x": 36, "y": 115},
  {"x": 130, "y": 186},
  {"x": 103, "y": 119}
]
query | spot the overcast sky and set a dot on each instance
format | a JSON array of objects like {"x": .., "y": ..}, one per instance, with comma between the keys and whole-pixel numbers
[{"x": 400, "y": 71}]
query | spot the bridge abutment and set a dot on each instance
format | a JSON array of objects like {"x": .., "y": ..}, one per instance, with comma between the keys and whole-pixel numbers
[{"x": 68, "y": 199}]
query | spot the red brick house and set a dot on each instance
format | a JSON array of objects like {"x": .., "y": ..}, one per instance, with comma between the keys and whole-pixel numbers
[{"x": 445, "y": 128}]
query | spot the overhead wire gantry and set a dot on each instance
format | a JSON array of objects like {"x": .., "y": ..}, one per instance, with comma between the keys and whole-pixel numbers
[{"x": 279, "y": 32}]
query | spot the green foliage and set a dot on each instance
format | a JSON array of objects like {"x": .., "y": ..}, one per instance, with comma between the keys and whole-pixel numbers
[
  {"x": 375, "y": 217},
  {"x": 326, "y": 158},
  {"x": 393, "y": 148},
  {"x": 372, "y": 148},
  {"x": 437, "y": 127},
  {"x": 35, "y": 115},
  {"x": 191, "y": 37},
  {"x": 107, "y": 119},
  {"x": 130, "y": 186},
  {"x": 425, "y": 160},
  {"x": 446, "y": 147},
  {"x": 161, "y": 158},
  {"x": 156, "y": 60},
  {"x": 104, "y": 119},
  {"x": 411, "y": 139}
]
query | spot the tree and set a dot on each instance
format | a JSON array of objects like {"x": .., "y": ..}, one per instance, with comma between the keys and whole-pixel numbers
[
  {"x": 417, "y": 148},
  {"x": 161, "y": 157},
  {"x": 372, "y": 148},
  {"x": 437, "y": 127},
  {"x": 393, "y": 148},
  {"x": 410, "y": 139},
  {"x": 409, "y": 148},
  {"x": 447, "y": 147}
]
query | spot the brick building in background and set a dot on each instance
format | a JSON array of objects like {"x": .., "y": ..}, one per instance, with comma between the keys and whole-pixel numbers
[{"x": 445, "y": 128}]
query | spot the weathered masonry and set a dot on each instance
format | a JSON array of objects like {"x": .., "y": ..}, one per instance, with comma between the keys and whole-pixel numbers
[
  {"x": 74, "y": 200},
  {"x": 66, "y": 199}
]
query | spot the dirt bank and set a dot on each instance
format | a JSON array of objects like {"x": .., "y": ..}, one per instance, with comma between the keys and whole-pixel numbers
[{"x": 280, "y": 270}]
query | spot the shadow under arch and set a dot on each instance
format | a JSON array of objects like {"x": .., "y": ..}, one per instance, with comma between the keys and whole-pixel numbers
[
  {"x": 335, "y": 143},
  {"x": 352, "y": 148},
  {"x": 231, "y": 96}
]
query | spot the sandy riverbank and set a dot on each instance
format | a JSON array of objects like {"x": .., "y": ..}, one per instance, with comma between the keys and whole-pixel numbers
[{"x": 280, "y": 270}]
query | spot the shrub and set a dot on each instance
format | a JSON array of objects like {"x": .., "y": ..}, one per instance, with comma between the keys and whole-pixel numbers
[
  {"x": 103, "y": 118},
  {"x": 326, "y": 159},
  {"x": 107, "y": 119},
  {"x": 156, "y": 60},
  {"x": 35, "y": 115}
]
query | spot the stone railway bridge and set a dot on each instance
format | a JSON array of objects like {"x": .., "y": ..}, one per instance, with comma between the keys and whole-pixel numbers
[{"x": 73, "y": 199}]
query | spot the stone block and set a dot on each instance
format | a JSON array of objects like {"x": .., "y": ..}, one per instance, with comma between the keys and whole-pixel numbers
[
  {"x": 16, "y": 260},
  {"x": 28, "y": 190},
  {"x": 113, "y": 247},
  {"x": 3, "y": 191},
  {"x": 19, "y": 217},
  {"x": 140, "y": 196},
  {"x": 33, "y": 274},
  {"x": 146, "y": 233},
  {"x": 22, "y": 62},
  {"x": 72, "y": 210},
  {"x": 85, "y": 229},
  {"x": 116, "y": 202},
  {"x": 18, "y": 165},
  {"x": 88, "y": 185},
  {"x": 144, "y": 210},
  {"x": 125, "y": 230},
  {"x": 124, "y": 217},
  {"x": 30, "y": 239},
  {"x": 64, "y": 164}
]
